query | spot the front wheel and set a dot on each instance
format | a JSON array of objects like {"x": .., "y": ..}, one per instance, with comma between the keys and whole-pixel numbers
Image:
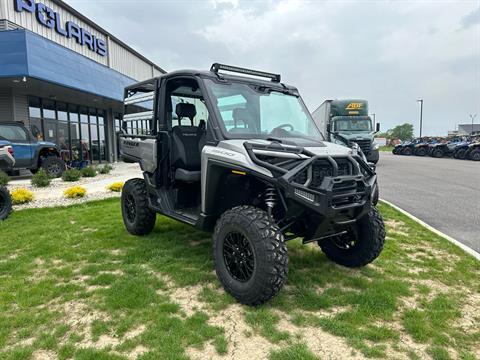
[
  {"x": 250, "y": 255},
  {"x": 407, "y": 151},
  {"x": 138, "y": 218},
  {"x": 460, "y": 154},
  {"x": 53, "y": 166},
  {"x": 421, "y": 152},
  {"x": 5, "y": 203},
  {"x": 360, "y": 244},
  {"x": 437, "y": 153}
]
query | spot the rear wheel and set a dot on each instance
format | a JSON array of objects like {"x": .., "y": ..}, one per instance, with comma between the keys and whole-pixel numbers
[
  {"x": 5, "y": 203},
  {"x": 407, "y": 151},
  {"x": 475, "y": 155},
  {"x": 360, "y": 245},
  {"x": 138, "y": 218},
  {"x": 250, "y": 255},
  {"x": 437, "y": 153},
  {"x": 53, "y": 166},
  {"x": 421, "y": 152},
  {"x": 460, "y": 154}
]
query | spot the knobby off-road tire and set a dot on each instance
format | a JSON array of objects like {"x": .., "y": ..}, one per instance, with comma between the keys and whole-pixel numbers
[
  {"x": 5, "y": 203},
  {"x": 368, "y": 243},
  {"x": 421, "y": 152},
  {"x": 475, "y": 155},
  {"x": 53, "y": 166},
  {"x": 460, "y": 154},
  {"x": 263, "y": 249},
  {"x": 138, "y": 218},
  {"x": 407, "y": 151},
  {"x": 437, "y": 153}
]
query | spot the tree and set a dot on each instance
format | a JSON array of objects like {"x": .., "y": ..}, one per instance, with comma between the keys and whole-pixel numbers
[{"x": 402, "y": 132}]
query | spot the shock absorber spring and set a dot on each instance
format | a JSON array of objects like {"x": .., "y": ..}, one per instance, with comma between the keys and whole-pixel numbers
[{"x": 270, "y": 199}]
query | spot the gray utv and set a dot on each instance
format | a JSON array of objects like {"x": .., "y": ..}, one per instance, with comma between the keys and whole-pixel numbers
[{"x": 242, "y": 157}]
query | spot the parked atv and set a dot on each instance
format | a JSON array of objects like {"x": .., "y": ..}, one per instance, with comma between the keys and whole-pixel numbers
[
  {"x": 422, "y": 148},
  {"x": 473, "y": 151},
  {"x": 408, "y": 147},
  {"x": 461, "y": 150},
  {"x": 242, "y": 158},
  {"x": 30, "y": 153},
  {"x": 442, "y": 149}
]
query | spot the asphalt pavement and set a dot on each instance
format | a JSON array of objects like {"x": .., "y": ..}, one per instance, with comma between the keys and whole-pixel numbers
[{"x": 444, "y": 193}]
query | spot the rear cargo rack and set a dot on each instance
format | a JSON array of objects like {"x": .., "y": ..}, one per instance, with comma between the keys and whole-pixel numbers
[{"x": 273, "y": 77}]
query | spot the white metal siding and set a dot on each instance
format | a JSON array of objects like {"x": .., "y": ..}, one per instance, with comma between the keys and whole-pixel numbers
[
  {"x": 118, "y": 58},
  {"x": 127, "y": 63}
]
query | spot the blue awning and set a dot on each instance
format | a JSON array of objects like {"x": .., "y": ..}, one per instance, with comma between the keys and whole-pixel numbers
[{"x": 23, "y": 53}]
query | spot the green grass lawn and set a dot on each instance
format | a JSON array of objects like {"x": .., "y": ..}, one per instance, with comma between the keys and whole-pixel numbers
[{"x": 75, "y": 285}]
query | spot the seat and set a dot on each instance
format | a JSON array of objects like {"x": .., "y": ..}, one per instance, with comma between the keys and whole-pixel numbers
[{"x": 186, "y": 145}]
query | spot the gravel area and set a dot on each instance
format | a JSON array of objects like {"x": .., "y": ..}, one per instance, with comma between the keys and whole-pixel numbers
[{"x": 96, "y": 187}]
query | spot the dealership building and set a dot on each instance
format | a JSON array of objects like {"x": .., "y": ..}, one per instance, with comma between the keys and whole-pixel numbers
[{"x": 63, "y": 76}]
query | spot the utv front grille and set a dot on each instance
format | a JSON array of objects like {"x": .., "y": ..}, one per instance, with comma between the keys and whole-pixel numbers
[
  {"x": 365, "y": 145},
  {"x": 313, "y": 176}
]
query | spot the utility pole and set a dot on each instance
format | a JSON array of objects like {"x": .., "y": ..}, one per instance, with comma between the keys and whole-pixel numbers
[
  {"x": 472, "y": 117},
  {"x": 421, "y": 115}
]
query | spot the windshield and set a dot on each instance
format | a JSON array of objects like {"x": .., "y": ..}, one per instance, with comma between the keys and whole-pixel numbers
[
  {"x": 248, "y": 112},
  {"x": 353, "y": 124}
]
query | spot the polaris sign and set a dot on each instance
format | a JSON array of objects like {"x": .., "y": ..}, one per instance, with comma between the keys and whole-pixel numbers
[{"x": 51, "y": 19}]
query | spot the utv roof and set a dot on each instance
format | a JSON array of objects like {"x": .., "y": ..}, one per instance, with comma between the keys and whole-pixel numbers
[{"x": 214, "y": 74}]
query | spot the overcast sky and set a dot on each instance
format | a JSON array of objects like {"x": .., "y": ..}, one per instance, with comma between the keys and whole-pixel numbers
[{"x": 388, "y": 52}]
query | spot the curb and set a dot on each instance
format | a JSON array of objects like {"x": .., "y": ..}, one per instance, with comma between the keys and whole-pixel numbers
[{"x": 465, "y": 248}]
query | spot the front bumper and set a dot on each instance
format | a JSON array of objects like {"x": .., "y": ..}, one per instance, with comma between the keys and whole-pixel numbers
[
  {"x": 337, "y": 192},
  {"x": 7, "y": 161}
]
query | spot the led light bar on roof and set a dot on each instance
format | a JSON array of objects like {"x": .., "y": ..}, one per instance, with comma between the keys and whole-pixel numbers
[{"x": 216, "y": 67}]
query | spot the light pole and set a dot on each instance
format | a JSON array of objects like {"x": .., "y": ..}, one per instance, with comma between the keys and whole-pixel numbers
[
  {"x": 472, "y": 116},
  {"x": 421, "y": 115}
]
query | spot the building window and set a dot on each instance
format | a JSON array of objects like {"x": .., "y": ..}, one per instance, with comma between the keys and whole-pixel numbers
[
  {"x": 35, "y": 113},
  {"x": 75, "y": 139},
  {"x": 49, "y": 120},
  {"x": 85, "y": 134},
  {"x": 63, "y": 139}
]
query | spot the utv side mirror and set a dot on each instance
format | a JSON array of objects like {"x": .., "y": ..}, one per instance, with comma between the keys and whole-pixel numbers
[{"x": 377, "y": 129}]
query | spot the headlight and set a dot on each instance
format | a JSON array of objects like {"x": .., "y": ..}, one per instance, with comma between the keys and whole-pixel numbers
[{"x": 376, "y": 146}]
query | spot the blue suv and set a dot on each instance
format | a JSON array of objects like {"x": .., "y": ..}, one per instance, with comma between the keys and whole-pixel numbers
[{"x": 30, "y": 153}]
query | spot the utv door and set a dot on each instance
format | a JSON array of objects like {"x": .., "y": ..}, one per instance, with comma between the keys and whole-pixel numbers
[{"x": 21, "y": 143}]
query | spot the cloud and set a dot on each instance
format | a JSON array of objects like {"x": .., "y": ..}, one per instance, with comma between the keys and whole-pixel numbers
[
  {"x": 471, "y": 19},
  {"x": 388, "y": 52}
]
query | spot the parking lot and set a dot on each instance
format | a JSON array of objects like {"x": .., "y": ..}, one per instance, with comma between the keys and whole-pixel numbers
[{"x": 445, "y": 193}]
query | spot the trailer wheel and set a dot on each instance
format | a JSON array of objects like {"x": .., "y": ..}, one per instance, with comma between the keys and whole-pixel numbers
[
  {"x": 250, "y": 255},
  {"x": 475, "y": 155},
  {"x": 360, "y": 245},
  {"x": 138, "y": 218},
  {"x": 5, "y": 203}
]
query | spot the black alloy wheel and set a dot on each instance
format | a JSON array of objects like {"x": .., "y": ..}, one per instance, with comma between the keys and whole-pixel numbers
[{"x": 238, "y": 256}]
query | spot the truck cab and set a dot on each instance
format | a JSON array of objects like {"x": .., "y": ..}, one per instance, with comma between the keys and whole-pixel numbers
[
  {"x": 29, "y": 153},
  {"x": 347, "y": 122}
]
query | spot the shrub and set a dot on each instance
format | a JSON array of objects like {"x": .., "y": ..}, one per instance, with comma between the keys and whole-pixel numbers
[
  {"x": 75, "y": 192},
  {"x": 116, "y": 186},
  {"x": 89, "y": 171},
  {"x": 21, "y": 196},
  {"x": 105, "y": 169},
  {"x": 72, "y": 175},
  {"x": 4, "y": 178},
  {"x": 41, "y": 178}
]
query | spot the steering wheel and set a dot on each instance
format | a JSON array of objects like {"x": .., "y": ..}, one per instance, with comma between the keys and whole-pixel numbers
[{"x": 283, "y": 126}]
